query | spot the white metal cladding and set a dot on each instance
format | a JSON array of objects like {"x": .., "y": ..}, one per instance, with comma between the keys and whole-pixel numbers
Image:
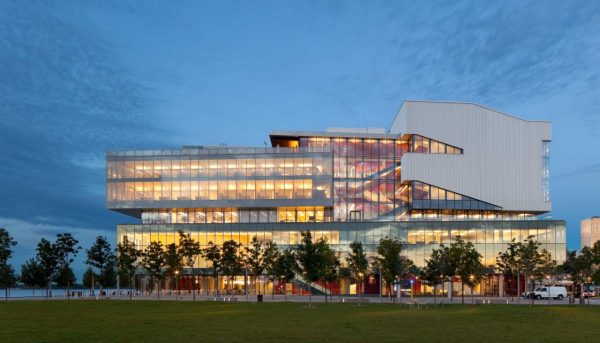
[{"x": 502, "y": 160}]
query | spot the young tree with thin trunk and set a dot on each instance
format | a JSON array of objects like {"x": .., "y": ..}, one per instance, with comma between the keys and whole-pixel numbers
[
  {"x": 433, "y": 271},
  {"x": 64, "y": 277},
  {"x": 189, "y": 250},
  {"x": 231, "y": 263},
  {"x": 529, "y": 260},
  {"x": 153, "y": 260},
  {"x": 507, "y": 263},
  {"x": 65, "y": 250},
  {"x": 285, "y": 268},
  {"x": 48, "y": 261},
  {"x": 100, "y": 256},
  {"x": 254, "y": 260},
  {"x": 358, "y": 265},
  {"x": 173, "y": 264},
  {"x": 88, "y": 278},
  {"x": 212, "y": 253},
  {"x": 309, "y": 261},
  {"x": 270, "y": 257},
  {"x": 471, "y": 269},
  {"x": 330, "y": 264},
  {"x": 8, "y": 277},
  {"x": 468, "y": 262},
  {"x": 32, "y": 275},
  {"x": 392, "y": 265},
  {"x": 127, "y": 261}
]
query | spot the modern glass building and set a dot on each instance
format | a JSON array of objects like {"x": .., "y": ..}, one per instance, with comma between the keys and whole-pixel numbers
[{"x": 441, "y": 170}]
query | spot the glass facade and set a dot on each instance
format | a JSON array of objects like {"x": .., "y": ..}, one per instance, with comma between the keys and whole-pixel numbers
[
  {"x": 235, "y": 215},
  {"x": 366, "y": 177},
  {"x": 419, "y": 237},
  {"x": 424, "y": 145},
  {"x": 546, "y": 171},
  {"x": 219, "y": 177},
  {"x": 344, "y": 188},
  {"x": 425, "y": 196}
]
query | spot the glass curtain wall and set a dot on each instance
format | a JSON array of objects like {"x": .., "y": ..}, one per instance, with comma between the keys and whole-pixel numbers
[
  {"x": 366, "y": 176},
  {"x": 420, "y": 238}
]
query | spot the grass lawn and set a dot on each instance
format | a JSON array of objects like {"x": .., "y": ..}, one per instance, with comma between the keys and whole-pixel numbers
[{"x": 186, "y": 321}]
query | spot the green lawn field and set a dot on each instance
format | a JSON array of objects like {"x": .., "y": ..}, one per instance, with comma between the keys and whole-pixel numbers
[{"x": 186, "y": 321}]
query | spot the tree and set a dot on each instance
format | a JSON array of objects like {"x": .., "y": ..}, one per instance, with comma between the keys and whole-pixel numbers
[
  {"x": 8, "y": 278},
  {"x": 330, "y": 264},
  {"x": 392, "y": 265},
  {"x": 48, "y": 261},
  {"x": 127, "y": 261},
  {"x": 231, "y": 263},
  {"x": 531, "y": 261},
  {"x": 6, "y": 244},
  {"x": 173, "y": 263},
  {"x": 7, "y": 273},
  {"x": 109, "y": 278},
  {"x": 309, "y": 261},
  {"x": 253, "y": 259},
  {"x": 32, "y": 274},
  {"x": 100, "y": 256},
  {"x": 64, "y": 277},
  {"x": 189, "y": 250},
  {"x": 153, "y": 260},
  {"x": 212, "y": 253},
  {"x": 358, "y": 264},
  {"x": 583, "y": 270},
  {"x": 434, "y": 270},
  {"x": 471, "y": 268},
  {"x": 285, "y": 268},
  {"x": 508, "y": 264},
  {"x": 468, "y": 263},
  {"x": 89, "y": 278},
  {"x": 270, "y": 257},
  {"x": 65, "y": 250}
]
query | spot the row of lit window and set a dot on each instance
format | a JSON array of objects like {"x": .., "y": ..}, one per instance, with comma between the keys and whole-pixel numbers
[
  {"x": 217, "y": 190},
  {"x": 424, "y": 145},
  {"x": 350, "y": 147},
  {"x": 423, "y": 191},
  {"x": 234, "y": 215},
  {"x": 217, "y": 168},
  {"x": 482, "y": 236}
]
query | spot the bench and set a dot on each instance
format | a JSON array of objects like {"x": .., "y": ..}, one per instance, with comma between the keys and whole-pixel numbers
[
  {"x": 225, "y": 299},
  {"x": 492, "y": 301},
  {"x": 355, "y": 300}
]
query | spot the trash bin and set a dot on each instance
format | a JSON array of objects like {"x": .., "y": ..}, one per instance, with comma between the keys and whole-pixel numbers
[{"x": 259, "y": 298}]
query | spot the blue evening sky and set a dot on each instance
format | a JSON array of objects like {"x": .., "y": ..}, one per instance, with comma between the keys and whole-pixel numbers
[{"x": 79, "y": 78}]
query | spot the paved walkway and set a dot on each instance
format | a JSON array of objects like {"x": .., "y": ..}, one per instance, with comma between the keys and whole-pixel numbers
[{"x": 321, "y": 299}]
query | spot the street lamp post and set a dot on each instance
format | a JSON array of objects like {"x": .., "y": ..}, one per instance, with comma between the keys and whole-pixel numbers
[{"x": 360, "y": 290}]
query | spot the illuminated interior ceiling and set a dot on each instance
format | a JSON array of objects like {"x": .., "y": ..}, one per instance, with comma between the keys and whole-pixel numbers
[{"x": 285, "y": 141}]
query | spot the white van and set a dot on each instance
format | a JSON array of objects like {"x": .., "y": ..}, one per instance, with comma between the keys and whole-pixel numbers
[{"x": 556, "y": 292}]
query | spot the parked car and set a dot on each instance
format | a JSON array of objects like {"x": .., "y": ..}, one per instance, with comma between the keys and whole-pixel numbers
[{"x": 555, "y": 292}]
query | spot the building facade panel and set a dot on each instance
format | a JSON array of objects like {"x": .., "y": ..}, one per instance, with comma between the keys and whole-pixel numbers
[{"x": 503, "y": 160}]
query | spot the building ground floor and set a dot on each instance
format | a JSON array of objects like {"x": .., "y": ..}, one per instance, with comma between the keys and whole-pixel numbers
[
  {"x": 204, "y": 284},
  {"x": 419, "y": 239}
]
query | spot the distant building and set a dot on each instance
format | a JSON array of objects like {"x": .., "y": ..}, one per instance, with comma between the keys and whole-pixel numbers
[
  {"x": 442, "y": 170},
  {"x": 590, "y": 231}
]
